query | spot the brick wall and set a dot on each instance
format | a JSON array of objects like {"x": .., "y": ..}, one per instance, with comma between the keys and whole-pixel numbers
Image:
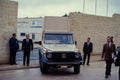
[
  {"x": 54, "y": 23},
  {"x": 95, "y": 27},
  {"x": 8, "y": 25}
]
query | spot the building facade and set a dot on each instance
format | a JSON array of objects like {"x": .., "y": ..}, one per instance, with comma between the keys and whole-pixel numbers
[{"x": 32, "y": 26}]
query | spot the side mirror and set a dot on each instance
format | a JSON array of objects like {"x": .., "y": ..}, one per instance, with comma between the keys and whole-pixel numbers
[{"x": 76, "y": 43}]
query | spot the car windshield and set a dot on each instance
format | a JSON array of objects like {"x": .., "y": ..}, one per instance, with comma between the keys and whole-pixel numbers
[{"x": 58, "y": 38}]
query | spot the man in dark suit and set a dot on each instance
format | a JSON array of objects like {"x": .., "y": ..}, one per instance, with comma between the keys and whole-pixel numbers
[
  {"x": 87, "y": 49},
  {"x": 117, "y": 63},
  {"x": 118, "y": 58},
  {"x": 27, "y": 46},
  {"x": 14, "y": 46},
  {"x": 108, "y": 50}
]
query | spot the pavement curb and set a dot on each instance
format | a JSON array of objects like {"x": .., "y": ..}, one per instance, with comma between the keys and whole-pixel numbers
[{"x": 16, "y": 67}]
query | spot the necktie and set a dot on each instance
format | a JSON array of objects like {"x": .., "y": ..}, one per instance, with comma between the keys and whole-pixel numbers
[{"x": 27, "y": 40}]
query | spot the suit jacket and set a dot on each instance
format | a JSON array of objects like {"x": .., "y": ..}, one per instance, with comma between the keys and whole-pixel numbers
[
  {"x": 108, "y": 51},
  {"x": 27, "y": 46},
  {"x": 88, "y": 48},
  {"x": 13, "y": 44},
  {"x": 117, "y": 62}
]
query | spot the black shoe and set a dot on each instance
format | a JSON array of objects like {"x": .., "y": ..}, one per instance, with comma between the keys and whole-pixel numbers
[
  {"x": 15, "y": 64},
  {"x": 106, "y": 76},
  {"x": 88, "y": 64},
  {"x": 109, "y": 75},
  {"x": 23, "y": 64},
  {"x": 11, "y": 64}
]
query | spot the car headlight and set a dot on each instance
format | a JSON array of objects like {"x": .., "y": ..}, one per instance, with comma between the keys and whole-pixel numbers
[
  {"x": 77, "y": 55},
  {"x": 49, "y": 55}
]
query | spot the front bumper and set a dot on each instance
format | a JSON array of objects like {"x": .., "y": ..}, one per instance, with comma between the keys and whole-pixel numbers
[{"x": 64, "y": 63}]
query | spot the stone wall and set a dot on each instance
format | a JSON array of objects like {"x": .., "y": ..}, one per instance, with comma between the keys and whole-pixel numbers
[
  {"x": 8, "y": 25},
  {"x": 116, "y": 18},
  {"x": 54, "y": 23},
  {"x": 95, "y": 27}
]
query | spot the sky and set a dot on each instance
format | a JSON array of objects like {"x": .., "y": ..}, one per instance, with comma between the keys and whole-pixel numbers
[{"x": 40, "y": 8}]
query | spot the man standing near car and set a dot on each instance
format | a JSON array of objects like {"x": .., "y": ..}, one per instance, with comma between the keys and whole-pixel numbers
[
  {"x": 87, "y": 49},
  {"x": 27, "y": 46},
  {"x": 108, "y": 50},
  {"x": 117, "y": 63},
  {"x": 14, "y": 46}
]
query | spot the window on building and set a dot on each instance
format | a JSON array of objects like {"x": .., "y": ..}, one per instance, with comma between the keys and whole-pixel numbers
[
  {"x": 33, "y": 35},
  {"x": 22, "y": 34}
]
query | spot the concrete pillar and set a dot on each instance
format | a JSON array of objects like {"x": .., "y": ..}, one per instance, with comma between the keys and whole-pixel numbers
[{"x": 8, "y": 25}]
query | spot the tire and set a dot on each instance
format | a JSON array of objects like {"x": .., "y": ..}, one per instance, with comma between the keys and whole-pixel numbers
[
  {"x": 76, "y": 69},
  {"x": 43, "y": 68}
]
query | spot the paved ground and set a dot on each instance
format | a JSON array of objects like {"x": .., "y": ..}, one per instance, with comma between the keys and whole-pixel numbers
[
  {"x": 19, "y": 72},
  {"x": 5, "y": 67},
  {"x": 93, "y": 72},
  {"x": 34, "y": 55},
  {"x": 34, "y": 61}
]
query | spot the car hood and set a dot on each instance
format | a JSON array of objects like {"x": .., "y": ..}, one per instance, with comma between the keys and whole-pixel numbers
[{"x": 60, "y": 47}]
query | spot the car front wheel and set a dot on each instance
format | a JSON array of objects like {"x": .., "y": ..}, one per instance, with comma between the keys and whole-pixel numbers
[
  {"x": 43, "y": 68},
  {"x": 76, "y": 69}
]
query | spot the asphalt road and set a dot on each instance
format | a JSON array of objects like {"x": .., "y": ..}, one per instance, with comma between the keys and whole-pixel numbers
[{"x": 93, "y": 72}]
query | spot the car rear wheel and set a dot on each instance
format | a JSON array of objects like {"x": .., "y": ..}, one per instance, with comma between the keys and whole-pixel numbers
[{"x": 76, "y": 69}]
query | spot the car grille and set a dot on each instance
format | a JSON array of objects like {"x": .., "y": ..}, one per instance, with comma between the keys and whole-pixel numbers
[{"x": 62, "y": 56}]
